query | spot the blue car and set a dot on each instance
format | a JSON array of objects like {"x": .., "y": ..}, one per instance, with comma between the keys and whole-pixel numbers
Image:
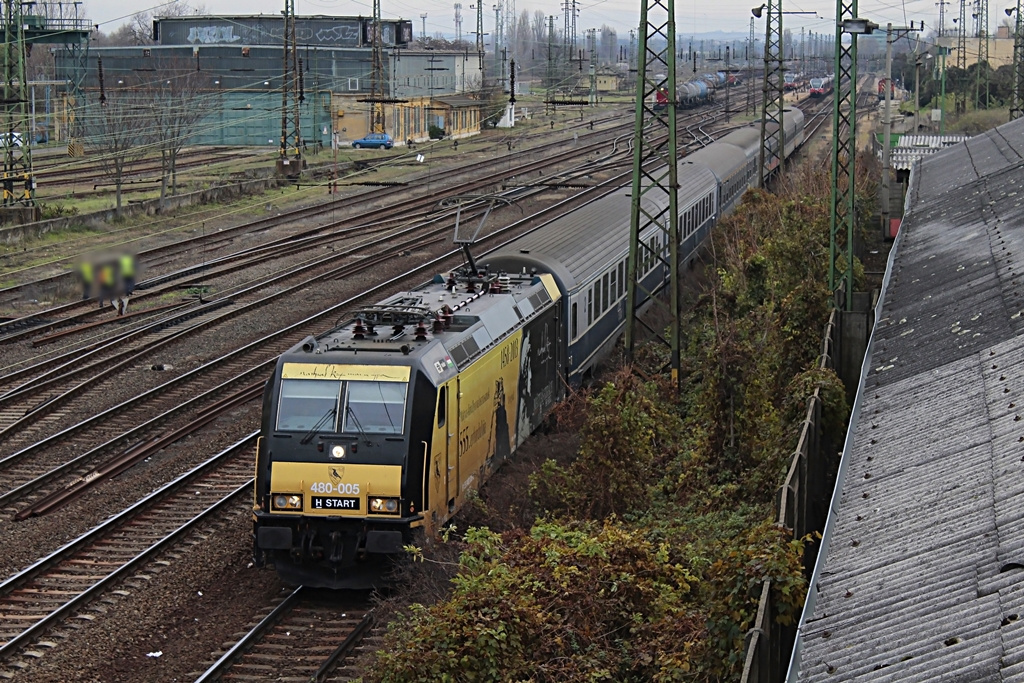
[{"x": 372, "y": 140}]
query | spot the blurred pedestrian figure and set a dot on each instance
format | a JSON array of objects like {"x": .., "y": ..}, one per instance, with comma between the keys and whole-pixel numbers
[
  {"x": 85, "y": 272},
  {"x": 127, "y": 268},
  {"x": 575, "y": 137},
  {"x": 107, "y": 276}
]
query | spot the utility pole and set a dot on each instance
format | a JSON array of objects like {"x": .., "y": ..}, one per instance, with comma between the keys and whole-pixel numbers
[
  {"x": 291, "y": 132},
  {"x": 480, "y": 38},
  {"x": 654, "y": 214},
  {"x": 982, "y": 81},
  {"x": 942, "y": 17},
  {"x": 378, "y": 79},
  {"x": 844, "y": 151},
  {"x": 592, "y": 47},
  {"x": 892, "y": 33},
  {"x": 942, "y": 98},
  {"x": 17, "y": 161},
  {"x": 773, "y": 137},
  {"x": 750, "y": 108},
  {"x": 1017, "y": 96},
  {"x": 960, "y": 96},
  {"x": 631, "y": 59},
  {"x": 917, "y": 94},
  {"x": 551, "y": 56}
]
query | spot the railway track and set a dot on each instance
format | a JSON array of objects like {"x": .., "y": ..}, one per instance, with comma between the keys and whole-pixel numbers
[
  {"x": 40, "y": 468},
  {"x": 492, "y": 167},
  {"x": 309, "y": 636},
  {"x": 68, "y": 581}
]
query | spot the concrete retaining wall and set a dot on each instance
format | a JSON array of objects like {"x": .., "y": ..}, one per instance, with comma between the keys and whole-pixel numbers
[{"x": 15, "y": 234}]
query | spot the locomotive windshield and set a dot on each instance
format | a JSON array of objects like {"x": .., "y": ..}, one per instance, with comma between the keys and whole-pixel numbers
[
  {"x": 375, "y": 407},
  {"x": 370, "y": 407},
  {"x": 304, "y": 402}
]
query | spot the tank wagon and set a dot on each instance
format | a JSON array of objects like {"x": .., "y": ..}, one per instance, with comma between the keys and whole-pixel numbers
[{"x": 375, "y": 432}]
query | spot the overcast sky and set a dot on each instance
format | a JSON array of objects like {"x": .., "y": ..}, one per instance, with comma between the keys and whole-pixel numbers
[{"x": 692, "y": 16}]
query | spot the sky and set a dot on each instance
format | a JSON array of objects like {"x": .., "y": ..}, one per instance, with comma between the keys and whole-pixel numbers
[{"x": 692, "y": 16}]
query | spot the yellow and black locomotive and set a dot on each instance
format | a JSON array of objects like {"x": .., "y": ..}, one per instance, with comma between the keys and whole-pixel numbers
[{"x": 382, "y": 426}]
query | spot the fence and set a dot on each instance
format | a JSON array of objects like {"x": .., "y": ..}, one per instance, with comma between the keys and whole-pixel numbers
[{"x": 801, "y": 505}]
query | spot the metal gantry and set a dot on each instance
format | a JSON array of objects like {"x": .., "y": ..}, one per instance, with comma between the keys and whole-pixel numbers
[
  {"x": 378, "y": 79},
  {"x": 773, "y": 103},
  {"x": 844, "y": 153},
  {"x": 654, "y": 223},
  {"x": 291, "y": 130},
  {"x": 982, "y": 82},
  {"x": 1017, "y": 96},
  {"x": 18, "y": 180}
]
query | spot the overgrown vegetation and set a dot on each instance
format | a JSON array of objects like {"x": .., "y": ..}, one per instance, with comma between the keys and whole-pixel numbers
[{"x": 647, "y": 549}]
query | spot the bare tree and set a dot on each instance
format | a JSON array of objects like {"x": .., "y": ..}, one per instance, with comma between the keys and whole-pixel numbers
[
  {"x": 177, "y": 104},
  {"x": 117, "y": 130},
  {"x": 139, "y": 28}
]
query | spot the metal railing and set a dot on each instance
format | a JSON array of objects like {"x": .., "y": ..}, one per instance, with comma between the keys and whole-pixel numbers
[{"x": 801, "y": 506}]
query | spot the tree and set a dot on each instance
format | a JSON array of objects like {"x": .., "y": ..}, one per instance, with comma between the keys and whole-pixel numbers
[
  {"x": 139, "y": 28},
  {"x": 176, "y": 105},
  {"x": 608, "y": 45},
  {"x": 116, "y": 132}
]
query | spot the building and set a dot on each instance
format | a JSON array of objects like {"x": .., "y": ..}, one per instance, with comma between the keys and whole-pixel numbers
[{"x": 236, "y": 67}]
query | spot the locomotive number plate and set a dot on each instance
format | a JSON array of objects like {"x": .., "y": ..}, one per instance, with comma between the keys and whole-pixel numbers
[{"x": 325, "y": 503}]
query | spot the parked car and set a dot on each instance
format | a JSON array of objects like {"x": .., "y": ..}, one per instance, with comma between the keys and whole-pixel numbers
[
  {"x": 10, "y": 139},
  {"x": 372, "y": 140}
]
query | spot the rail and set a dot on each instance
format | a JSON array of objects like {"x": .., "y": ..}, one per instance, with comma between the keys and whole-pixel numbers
[{"x": 767, "y": 643}]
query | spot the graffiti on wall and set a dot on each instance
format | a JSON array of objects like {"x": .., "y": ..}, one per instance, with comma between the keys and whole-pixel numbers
[
  {"x": 334, "y": 33},
  {"x": 207, "y": 35}
]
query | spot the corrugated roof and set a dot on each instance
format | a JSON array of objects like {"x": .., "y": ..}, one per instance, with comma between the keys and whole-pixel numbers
[{"x": 921, "y": 574}]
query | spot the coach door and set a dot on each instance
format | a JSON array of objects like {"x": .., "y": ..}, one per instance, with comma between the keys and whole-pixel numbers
[{"x": 445, "y": 467}]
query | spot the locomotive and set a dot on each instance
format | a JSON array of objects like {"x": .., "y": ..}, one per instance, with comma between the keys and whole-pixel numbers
[
  {"x": 821, "y": 86},
  {"x": 881, "y": 89},
  {"x": 375, "y": 433}
]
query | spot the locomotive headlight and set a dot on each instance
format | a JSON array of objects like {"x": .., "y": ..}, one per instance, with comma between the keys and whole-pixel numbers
[
  {"x": 384, "y": 506},
  {"x": 337, "y": 451},
  {"x": 286, "y": 502}
]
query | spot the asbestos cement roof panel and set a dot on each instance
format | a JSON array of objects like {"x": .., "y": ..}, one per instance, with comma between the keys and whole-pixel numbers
[{"x": 921, "y": 576}]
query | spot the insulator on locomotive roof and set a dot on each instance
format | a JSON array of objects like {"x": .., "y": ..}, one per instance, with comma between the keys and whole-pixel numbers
[
  {"x": 358, "y": 330},
  {"x": 398, "y": 329},
  {"x": 438, "y": 325},
  {"x": 421, "y": 331}
]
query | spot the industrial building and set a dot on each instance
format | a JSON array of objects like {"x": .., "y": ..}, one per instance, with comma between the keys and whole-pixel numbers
[{"x": 237, "y": 65}]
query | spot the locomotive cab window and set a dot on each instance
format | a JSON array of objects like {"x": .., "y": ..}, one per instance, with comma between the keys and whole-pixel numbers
[
  {"x": 306, "y": 402},
  {"x": 375, "y": 407}
]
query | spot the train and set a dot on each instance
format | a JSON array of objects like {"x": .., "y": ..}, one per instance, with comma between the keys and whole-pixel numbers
[
  {"x": 820, "y": 87},
  {"x": 700, "y": 90},
  {"x": 375, "y": 433},
  {"x": 881, "y": 89}
]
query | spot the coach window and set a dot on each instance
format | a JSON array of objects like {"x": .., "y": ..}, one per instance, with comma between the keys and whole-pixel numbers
[
  {"x": 590, "y": 307},
  {"x": 574, "y": 322},
  {"x": 622, "y": 277},
  {"x": 442, "y": 406},
  {"x": 604, "y": 291},
  {"x": 614, "y": 289}
]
